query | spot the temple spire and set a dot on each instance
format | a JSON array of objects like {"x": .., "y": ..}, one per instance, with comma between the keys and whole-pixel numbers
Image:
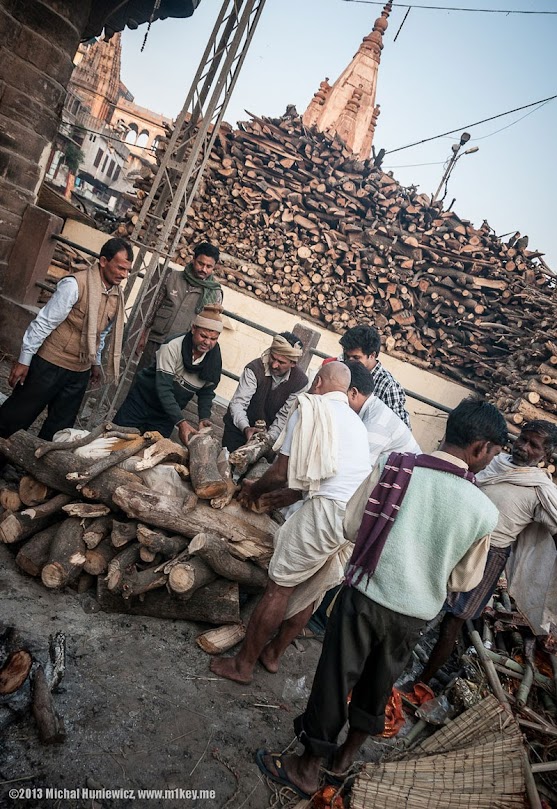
[{"x": 348, "y": 108}]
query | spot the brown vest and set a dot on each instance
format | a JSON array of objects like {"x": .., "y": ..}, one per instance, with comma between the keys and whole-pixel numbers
[
  {"x": 267, "y": 401},
  {"x": 62, "y": 346}
]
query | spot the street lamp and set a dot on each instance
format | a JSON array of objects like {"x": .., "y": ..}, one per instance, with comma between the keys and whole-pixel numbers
[{"x": 456, "y": 147}]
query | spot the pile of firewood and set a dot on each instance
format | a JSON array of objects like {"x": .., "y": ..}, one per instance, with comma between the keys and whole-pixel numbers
[
  {"x": 309, "y": 227},
  {"x": 150, "y": 544}
]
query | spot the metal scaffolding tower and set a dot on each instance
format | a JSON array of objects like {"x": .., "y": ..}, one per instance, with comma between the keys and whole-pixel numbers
[{"x": 165, "y": 210}]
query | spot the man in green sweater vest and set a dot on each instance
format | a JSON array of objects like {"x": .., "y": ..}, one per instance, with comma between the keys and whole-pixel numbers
[{"x": 420, "y": 526}]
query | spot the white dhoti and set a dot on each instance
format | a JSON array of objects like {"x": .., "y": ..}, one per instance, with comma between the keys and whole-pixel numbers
[{"x": 311, "y": 553}]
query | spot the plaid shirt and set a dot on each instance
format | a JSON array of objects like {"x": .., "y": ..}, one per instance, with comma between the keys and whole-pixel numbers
[{"x": 390, "y": 391}]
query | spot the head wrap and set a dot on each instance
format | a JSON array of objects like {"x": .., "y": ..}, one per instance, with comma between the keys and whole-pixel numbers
[
  {"x": 209, "y": 318},
  {"x": 282, "y": 348}
]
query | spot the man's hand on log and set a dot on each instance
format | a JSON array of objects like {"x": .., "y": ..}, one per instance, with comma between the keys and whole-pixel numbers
[
  {"x": 279, "y": 498},
  {"x": 185, "y": 431},
  {"x": 249, "y": 432},
  {"x": 96, "y": 376},
  {"x": 18, "y": 374},
  {"x": 245, "y": 495}
]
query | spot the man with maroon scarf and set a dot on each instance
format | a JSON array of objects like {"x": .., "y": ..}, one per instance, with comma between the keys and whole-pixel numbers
[{"x": 420, "y": 526}]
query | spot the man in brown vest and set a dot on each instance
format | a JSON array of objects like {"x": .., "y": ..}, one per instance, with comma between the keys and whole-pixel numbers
[
  {"x": 184, "y": 294},
  {"x": 61, "y": 349},
  {"x": 266, "y": 391}
]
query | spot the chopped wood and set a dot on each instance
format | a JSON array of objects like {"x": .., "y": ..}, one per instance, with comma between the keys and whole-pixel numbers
[
  {"x": 32, "y": 492},
  {"x": 97, "y": 531},
  {"x": 206, "y": 479},
  {"x": 86, "y": 510},
  {"x": 215, "y": 552},
  {"x": 187, "y": 577},
  {"x": 98, "y": 557},
  {"x": 66, "y": 556},
  {"x": 33, "y": 556},
  {"x": 120, "y": 564},
  {"x": 160, "y": 543},
  {"x": 10, "y": 499},
  {"x": 123, "y": 532},
  {"x": 217, "y": 641}
]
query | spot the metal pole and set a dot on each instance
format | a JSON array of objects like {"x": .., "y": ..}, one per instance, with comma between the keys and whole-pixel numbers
[{"x": 165, "y": 209}]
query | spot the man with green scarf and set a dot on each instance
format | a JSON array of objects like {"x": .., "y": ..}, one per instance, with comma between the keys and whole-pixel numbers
[{"x": 183, "y": 296}]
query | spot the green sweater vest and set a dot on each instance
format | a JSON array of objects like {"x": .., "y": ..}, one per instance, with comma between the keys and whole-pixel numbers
[{"x": 440, "y": 518}]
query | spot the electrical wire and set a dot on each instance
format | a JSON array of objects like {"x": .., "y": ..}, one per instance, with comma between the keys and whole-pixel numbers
[
  {"x": 469, "y": 126},
  {"x": 454, "y": 8},
  {"x": 522, "y": 117},
  {"x": 415, "y": 165}
]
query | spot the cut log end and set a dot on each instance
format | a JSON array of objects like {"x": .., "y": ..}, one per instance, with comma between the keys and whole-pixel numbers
[{"x": 15, "y": 671}]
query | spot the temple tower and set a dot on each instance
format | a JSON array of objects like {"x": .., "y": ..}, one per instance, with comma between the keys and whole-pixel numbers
[{"x": 347, "y": 108}]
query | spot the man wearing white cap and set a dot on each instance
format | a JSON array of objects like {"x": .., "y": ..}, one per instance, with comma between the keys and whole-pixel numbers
[
  {"x": 187, "y": 365},
  {"x": 266, "y": 391}
]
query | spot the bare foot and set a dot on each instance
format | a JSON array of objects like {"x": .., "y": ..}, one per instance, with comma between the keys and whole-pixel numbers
[
  {"x": 228, "y": 667},
  {"x": 269, "y": 660},
  {"x": 294, "y": 768}
]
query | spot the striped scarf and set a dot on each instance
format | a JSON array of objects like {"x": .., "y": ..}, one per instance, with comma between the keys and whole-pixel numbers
[{"x": 383, "y": 505}]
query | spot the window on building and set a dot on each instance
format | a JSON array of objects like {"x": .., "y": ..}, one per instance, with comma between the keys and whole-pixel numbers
[
  {"x": 104, "y": 164},
  {"x": 116, "y": 173},
  {"x": 110, "y": 168},
  {"x": 131, "y": 137},
  {"x": 143, "y": 138},
  {"x": 98, "y": 158}
]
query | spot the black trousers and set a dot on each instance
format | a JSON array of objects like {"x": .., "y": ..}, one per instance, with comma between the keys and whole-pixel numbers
[
  {"x": 46, "y": 385},
  {"x": 365, "y": 650}
]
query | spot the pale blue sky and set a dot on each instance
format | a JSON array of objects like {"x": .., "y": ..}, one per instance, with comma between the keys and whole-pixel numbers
[{"x": 445, "y": 70}]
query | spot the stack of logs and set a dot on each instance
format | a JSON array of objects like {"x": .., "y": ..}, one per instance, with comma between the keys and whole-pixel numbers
[
  {"x": 85, "y": 523},
  {"x": 312, "y": 229}
]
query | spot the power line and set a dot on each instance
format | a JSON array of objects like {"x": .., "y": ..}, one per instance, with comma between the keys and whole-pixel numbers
[
  {"x": 453, "y": 8},
  {"x": 468, "y": 126}
]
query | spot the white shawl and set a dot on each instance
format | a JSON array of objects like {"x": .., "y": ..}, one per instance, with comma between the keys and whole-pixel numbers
[
  {"x": 314, "y": 451},
  {"x": 532, "y": 566}
]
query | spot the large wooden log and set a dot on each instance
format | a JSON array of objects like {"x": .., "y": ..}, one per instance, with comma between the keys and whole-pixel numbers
[
  {"x": 123, "y": 532},
  {"x": 169, "y": 513},
  {"x": 16, "y": 527},
  {"x": 187, "y": 577},
  {"x": 214, "y": 551},
  {"x": 32, "y": 492},
  {"x": 52, "y": 506},
  {"x": 216, "y": 603},
  {"x": 136, "y": 582},
  {"x": 33, "y": 556},
  {"x": 99, "y": 557},
  {"x": 66, "y": 556},
  {"x": 160, "y": 543},
  {"x": 118, "y": 566},
  {"x": 52, "y": 468},
  {"x": 50, "y": 724},
  {"x": 97, "y": 531},
  {"x": 10, "y": 498},
  {"x": 206, "y": 479}
]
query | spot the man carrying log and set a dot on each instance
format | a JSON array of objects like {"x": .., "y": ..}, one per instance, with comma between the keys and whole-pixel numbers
[
  {"x": 363, "y": 344},
  {"x": 61, "y": 348},
  {"x": 266, "y": 392},
  {"x": 183, "y": 296},
  {"x": 322, "y": 451},
  {"x": 386, "y": 432},
  {"x": 186, "y": 366},
  {"x": 419, "y": 525},
  {"x": 525, "y": 495}
]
